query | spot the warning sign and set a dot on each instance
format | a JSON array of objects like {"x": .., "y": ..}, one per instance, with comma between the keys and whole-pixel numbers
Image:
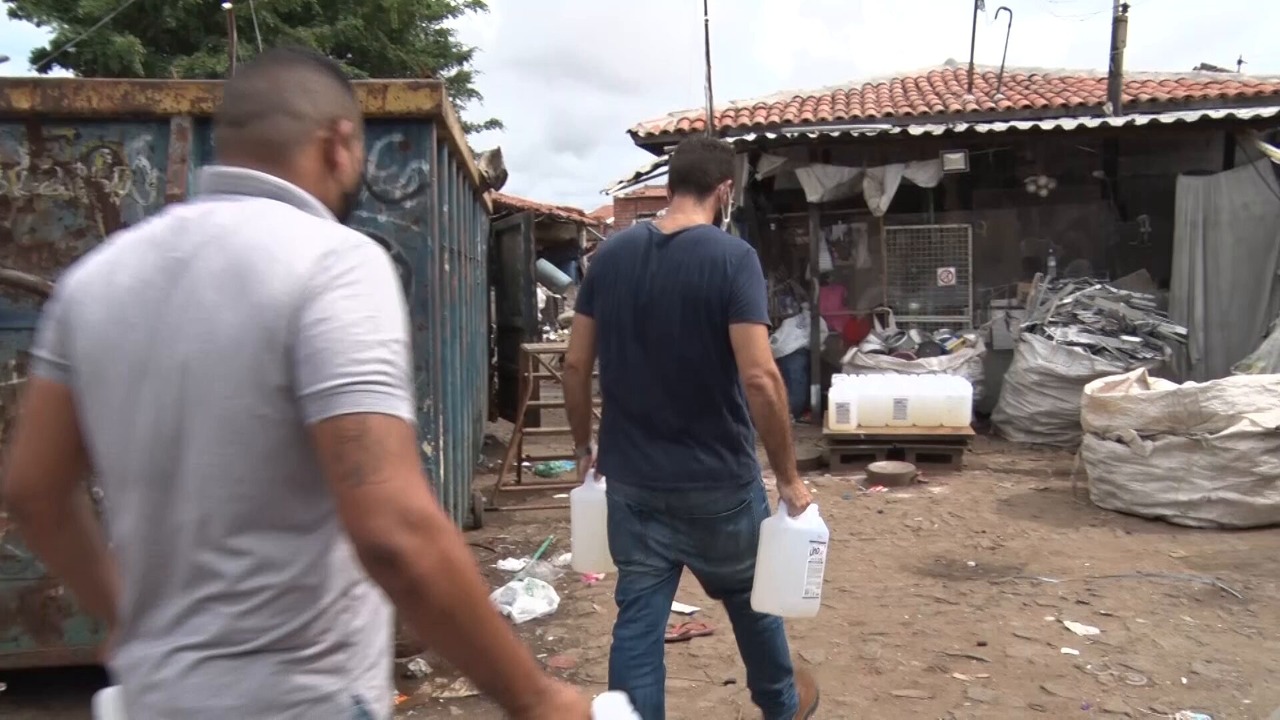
[{"x": 946, "y": 277}]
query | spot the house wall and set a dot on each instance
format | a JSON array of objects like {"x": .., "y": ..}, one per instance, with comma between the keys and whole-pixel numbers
[
  {"x": 626, "y": 210},
  {"x": 1113, "y": 206}
]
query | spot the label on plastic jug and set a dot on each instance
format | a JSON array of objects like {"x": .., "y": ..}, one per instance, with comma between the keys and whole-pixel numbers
[
  {"x": 900, "y": 409},
  {"x": 844, "y": 413},
  {"x": 814, "y": 569}
]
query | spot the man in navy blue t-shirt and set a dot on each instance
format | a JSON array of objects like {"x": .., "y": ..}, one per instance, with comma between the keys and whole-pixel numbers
[{"x": 677, "y": 312}]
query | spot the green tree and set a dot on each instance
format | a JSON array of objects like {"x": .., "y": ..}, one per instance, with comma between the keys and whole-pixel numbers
[{"x": 189, "y": 38}]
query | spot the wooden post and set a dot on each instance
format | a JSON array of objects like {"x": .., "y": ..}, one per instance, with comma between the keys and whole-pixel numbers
[{"x": 815, "y": 329}]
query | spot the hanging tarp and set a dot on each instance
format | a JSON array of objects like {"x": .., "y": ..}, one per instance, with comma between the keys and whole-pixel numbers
[
  {"x": 1226, "y": 255},
  {"x": 1266, "y": 359}
]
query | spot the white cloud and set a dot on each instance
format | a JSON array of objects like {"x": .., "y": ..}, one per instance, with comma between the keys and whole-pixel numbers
[
  {"x": 577, "y": 73},
  {"x": 569, "y": 77}
]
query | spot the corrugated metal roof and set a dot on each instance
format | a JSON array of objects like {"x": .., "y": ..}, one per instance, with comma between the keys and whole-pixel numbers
[{"x": 999, "y": 126}]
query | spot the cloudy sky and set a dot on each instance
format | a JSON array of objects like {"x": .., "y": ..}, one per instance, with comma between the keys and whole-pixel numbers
[{"x": 568, "y": 77}]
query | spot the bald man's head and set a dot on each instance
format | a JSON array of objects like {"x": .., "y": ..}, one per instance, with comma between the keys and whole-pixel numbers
[{"x": 294, "y": 114}]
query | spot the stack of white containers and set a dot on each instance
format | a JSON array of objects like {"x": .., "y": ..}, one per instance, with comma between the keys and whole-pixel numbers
[{"x": 871, "y": 401}]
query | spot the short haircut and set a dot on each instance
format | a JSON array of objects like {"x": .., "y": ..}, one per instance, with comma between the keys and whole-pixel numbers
[
  {"x": 275, "y": 103},
  {"x": 699, "y": 166}
]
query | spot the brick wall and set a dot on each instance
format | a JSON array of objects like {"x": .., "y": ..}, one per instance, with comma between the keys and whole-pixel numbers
[{"x": 627, "y": 208}]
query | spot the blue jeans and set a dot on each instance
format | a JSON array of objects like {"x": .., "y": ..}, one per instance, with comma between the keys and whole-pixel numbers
[
  {"x": 653, "y": 536},
  {"x": 795, "y": 375}
]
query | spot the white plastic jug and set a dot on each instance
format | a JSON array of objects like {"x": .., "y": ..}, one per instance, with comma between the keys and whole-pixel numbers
[
  {"x": 589, "y": 526},
  {"x": 958, "y": 408},
  {"x": 108, "y": 704},
  {"x": 790, "y": 562},
  {"x": 842, "y": 404},
  {"x": 901, "y": 391},
  {"x": 613, "y": 705},
  {"x": 928, "y": 400}
]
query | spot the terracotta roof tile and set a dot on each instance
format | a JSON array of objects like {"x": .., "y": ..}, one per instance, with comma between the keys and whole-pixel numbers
[
  {"x": 503, "y": 202},
  {"x": 939, "y": 93}
]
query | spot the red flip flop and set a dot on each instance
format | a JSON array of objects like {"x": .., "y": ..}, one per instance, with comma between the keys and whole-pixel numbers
[{"x": 684, "y": 632}]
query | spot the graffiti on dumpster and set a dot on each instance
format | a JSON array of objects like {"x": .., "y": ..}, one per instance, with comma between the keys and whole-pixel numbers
[
  {"x": 392, "y": 175},
  {"x": 102, "y": 172},
  {"x": 63, "y": 189}
]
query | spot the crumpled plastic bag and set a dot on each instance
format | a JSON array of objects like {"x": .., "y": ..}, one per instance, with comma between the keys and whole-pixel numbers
[
  {"x": 541, "y": 570},
  {"x": 525, "y": 599}
]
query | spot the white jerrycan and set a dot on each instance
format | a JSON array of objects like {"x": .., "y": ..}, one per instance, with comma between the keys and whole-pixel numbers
[
  {"x": 589, "y": 526},
  {"x": 613, "y": 705},
  {"x": 108, "y": 704},
  {"x": 790, "y": 562}
]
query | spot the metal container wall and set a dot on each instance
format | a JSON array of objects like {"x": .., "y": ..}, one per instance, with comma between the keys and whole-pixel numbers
[{"x": 80, "y": 159}]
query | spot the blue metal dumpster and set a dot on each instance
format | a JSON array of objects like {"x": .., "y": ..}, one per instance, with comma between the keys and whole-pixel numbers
[{"x": 80, "y": 159}]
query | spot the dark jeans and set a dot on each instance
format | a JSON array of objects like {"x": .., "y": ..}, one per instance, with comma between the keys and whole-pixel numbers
[
  {"x": 795, "y": 375},
  {"x": 653, "y": 536}
]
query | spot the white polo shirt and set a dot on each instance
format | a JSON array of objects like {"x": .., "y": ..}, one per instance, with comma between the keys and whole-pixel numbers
[{"x": 200, "y": 344}]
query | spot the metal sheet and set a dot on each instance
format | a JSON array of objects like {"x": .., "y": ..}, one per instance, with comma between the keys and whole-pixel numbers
[
  {"x": 808, "y": 132},
  {"x": 515, "y": 305},
  {"x": 65, "y": 184},
  {"x": 1002, "y": 126}
]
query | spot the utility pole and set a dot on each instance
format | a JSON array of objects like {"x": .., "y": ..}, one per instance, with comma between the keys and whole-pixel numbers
[
  {"x": 232, "y": 40},
  {"x": 1115, "y": 68},
  {"x": 973, "y": 38},
  {"x": 706, "y": 44}
]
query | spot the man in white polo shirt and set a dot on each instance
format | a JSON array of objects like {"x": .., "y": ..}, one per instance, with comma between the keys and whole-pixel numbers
[{"x": 236, "y": 374}]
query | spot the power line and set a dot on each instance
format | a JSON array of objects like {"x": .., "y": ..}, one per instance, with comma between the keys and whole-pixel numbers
[{"x": 86, "y": 34}]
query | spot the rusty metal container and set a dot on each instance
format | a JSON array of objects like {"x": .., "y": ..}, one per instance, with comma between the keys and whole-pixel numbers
[{"x": 82, "y": 158}]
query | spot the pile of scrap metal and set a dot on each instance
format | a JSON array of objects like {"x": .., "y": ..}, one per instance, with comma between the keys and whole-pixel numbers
[
  {"x": 1077, "y": 331},
  {"x": 1122, "y": 326}
]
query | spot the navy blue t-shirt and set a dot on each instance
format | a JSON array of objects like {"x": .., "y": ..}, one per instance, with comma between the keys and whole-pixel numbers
[{"x": 675, "y": 415}]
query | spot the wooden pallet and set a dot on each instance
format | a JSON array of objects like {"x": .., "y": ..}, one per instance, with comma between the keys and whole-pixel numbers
[{"x": 941, "y": 448}]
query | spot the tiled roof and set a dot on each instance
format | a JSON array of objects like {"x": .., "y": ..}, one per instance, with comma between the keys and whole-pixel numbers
[
  {"x": 513, "y": 203},
  {"x": 604, "y": 213},
  {"x": 939, "y": 95}
]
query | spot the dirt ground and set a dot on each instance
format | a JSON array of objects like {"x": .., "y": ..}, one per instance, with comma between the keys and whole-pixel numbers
[
  {"x": 944, "y": 600},
  {"x": 947, "y": 600}
]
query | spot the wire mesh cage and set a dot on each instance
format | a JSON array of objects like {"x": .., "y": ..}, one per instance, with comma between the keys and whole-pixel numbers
[{"x": 928, "y": 275}]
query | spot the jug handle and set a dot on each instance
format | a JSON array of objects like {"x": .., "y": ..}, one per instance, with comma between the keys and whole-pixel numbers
[
  {"x": 593, "y": 478},
  {"x": 786, "y": 516}
]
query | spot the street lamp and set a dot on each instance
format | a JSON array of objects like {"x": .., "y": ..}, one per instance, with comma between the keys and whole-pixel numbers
[{"x": 4, "y": 59}]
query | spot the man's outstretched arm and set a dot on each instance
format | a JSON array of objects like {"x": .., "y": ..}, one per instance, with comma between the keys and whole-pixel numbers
[
  {"x": 579, "y": 365},
  {"x": 410, "y": 547},
  {"x": 766, "y": 393},
  {"x": 352, "y": 372},
  {"x": 45, "y": 478}
]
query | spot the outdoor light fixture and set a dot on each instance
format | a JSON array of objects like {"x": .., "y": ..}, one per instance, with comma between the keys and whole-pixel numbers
[
  {"x": 954, "y": 161},
  {"x": 1040, "y": 185},
  {"x": 4, "y": 59}
]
